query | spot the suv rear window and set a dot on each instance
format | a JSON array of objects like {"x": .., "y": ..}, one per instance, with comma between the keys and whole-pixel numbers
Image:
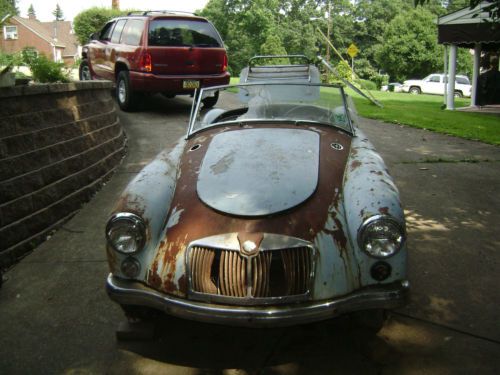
[
  {"x": 167, "y": 32},
  {"x": 462, "y": 80}
]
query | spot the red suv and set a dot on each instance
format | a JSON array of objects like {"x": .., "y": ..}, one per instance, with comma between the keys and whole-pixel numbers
[{"x": 149, "y": 52}]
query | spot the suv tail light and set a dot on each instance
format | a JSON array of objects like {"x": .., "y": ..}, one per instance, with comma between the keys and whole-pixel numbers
[
  {"x": 224, "y": 63},
  {"x": 146, "y": 64}
]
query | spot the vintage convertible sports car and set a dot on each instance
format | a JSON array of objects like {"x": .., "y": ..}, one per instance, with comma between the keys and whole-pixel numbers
[{"x": 275, "y": 209}]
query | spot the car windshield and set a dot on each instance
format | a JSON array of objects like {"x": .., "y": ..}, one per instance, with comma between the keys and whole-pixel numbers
[{"x": 265, "y": 103}]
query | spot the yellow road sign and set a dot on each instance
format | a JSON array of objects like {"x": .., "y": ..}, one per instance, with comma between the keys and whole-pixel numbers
[{"x": 352, "y": 50}]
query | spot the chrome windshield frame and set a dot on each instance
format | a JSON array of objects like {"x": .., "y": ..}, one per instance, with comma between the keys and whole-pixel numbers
[{"x": 197, "y": 103}]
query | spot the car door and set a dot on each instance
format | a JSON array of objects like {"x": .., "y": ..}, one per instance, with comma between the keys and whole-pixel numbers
[
  {"x": 113, "y": 48},
  {"x": 433, "y": 84},
  {"x": 99, "y": 52}
]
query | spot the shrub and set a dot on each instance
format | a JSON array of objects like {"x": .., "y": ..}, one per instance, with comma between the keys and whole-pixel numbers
[
  {"x": 47, "y": 71},
  {"x": 381, "y": 80},
  {"x": 92, "y": 20}
]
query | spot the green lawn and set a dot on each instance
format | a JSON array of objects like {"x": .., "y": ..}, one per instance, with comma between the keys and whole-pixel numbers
[{"x": 424, "y": 111}]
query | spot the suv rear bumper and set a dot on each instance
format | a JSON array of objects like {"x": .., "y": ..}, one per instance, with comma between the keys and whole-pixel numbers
[{"x": 173, "y": 83}]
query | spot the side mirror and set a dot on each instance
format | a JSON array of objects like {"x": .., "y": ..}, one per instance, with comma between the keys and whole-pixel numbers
[{"x": 94, "y": 36}]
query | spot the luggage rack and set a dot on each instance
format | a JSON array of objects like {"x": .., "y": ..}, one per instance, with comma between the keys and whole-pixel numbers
[
  {"x": 148, "y": 12},
  {"x": 304, "y": 71}
]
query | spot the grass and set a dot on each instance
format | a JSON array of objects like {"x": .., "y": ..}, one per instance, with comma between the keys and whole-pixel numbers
[{"x": 424, "y": 111}]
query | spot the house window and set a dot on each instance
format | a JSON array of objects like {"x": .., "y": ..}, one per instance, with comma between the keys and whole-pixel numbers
[{"x": 10, "y": 32}]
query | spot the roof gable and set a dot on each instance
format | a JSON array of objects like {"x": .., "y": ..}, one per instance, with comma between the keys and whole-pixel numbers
[{"x": 466, "y": 15}]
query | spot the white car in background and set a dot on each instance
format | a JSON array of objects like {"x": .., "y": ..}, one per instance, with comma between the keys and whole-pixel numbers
[{"x": 434, "y": 84}]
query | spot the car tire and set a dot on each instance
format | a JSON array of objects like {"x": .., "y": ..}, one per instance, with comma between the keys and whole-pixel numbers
[
  {"x": 415, "y": 90},
  {"x": 126, "y": 98},
  {"x": 168, "y": 95},
  {"x": 210, "y": 101},
  {"x": 370, "y": 321},
  {"x": 458, "y": 94},
  {"x": 84, "y": 71}
]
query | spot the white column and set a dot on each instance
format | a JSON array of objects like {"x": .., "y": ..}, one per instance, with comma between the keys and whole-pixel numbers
[
  {"x": 475, "y": 74},
  {"x": 452, "y": 63},
  {"x": 445, "y": 72}
]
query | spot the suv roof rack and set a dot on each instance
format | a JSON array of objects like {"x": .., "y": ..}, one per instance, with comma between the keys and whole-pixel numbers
[{"x": 148, "y": 12}]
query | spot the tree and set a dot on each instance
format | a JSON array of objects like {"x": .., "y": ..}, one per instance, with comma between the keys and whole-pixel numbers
[
  {"x": 92, "y": 20},
  {"x": 8, "y": 7},
  {"x": 31, "y": 11},
  {"x": 410, "y": 48},
  {"x": 250, "y": 27},
  {"x": 58, "y": 13}
]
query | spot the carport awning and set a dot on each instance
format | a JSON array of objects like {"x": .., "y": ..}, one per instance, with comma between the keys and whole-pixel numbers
[
  {"x": 469, "y": 34},
  {"x": 466, "y": 27}
]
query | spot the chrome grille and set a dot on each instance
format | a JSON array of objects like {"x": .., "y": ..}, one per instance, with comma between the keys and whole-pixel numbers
[{"x": 270, "y": 274}]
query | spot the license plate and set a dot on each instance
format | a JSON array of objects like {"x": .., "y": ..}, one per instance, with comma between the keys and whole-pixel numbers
[{"x": 190, "y": 84}]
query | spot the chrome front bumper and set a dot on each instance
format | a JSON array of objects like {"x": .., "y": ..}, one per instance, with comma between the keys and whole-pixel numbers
[{"x": 128, "y": 292}]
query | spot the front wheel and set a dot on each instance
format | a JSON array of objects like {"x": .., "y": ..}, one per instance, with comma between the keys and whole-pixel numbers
[
  {"x": 458, "y": 94},
  {"x": 84, "y": 71},
  {"x": 126, "y": 98},
  {"x": 415, "y": 90},
  {"x": 370, "y": 321}
]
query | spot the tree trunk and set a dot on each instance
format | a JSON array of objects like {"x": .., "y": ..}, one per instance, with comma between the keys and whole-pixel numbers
[{"x": 115, "y": 4}]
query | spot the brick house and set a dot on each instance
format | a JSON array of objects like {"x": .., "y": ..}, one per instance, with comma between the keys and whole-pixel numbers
[{"x": 55, "y": 39}]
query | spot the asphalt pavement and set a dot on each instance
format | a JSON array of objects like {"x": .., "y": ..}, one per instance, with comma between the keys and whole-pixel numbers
[{"x": 56, "y": 318}]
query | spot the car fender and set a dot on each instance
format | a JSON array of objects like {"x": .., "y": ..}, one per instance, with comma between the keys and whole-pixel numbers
[
  {"x": 370, "y": 191},
  {"x": 149, "y": 196}
]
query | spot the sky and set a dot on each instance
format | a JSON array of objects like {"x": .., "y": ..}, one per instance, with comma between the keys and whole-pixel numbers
[{"x": 70, "y": 8}]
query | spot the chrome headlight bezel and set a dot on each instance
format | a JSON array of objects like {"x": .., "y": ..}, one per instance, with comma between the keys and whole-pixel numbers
[
  {"x": 137, "y": 228},
  {"x": 390, "y": 221}
]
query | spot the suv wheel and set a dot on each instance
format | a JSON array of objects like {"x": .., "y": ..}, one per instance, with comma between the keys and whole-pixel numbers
[
  {"x": 458, "y": 94},
  {"x": 415, "y": 90},
  {"x": 124, "y": 95},
  {"x": 210, "y": 101},
  {"x": 84, "y": 71}
]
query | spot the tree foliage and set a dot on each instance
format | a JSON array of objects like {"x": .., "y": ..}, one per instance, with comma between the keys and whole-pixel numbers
[
  {"x": 58, "y": 13},
  {"x": 8, "y": 7},
  {"x": 410, "y": 48},
  {"x": 31, "y": 11},
  {"x": 391, "y": 35},
  {"x": 92, "y": 20}
]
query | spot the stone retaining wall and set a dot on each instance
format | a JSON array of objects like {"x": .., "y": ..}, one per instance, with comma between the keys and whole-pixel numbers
[{"x": 58, "y": 143}]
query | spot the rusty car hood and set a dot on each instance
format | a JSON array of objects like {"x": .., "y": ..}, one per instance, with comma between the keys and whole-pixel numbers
[
  {"x": 191, "y": 219},
  {"x": 258, "y": 172}
]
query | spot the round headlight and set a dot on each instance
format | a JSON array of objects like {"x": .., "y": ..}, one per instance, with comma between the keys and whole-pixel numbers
[
  {"x": 126, "y": 233},
  {"x": 381, "y": 236}
]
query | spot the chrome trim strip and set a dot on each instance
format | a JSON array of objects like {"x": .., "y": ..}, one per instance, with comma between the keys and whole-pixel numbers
[{"x": 127, "y": 292}]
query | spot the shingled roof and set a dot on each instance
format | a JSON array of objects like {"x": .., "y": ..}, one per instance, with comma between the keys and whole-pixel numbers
[{"x": 63, "y": 37}]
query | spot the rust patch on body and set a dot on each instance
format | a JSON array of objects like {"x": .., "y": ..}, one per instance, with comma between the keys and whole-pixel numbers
[
  {"x": 384, "y": 210},
  {"x": 355, "y": 164},
  {"x": 304, "y": 221},
  {"x": 153, "y": 278}
]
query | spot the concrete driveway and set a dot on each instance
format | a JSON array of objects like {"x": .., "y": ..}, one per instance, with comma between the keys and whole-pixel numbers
[{"x": 55, "y": 316}]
